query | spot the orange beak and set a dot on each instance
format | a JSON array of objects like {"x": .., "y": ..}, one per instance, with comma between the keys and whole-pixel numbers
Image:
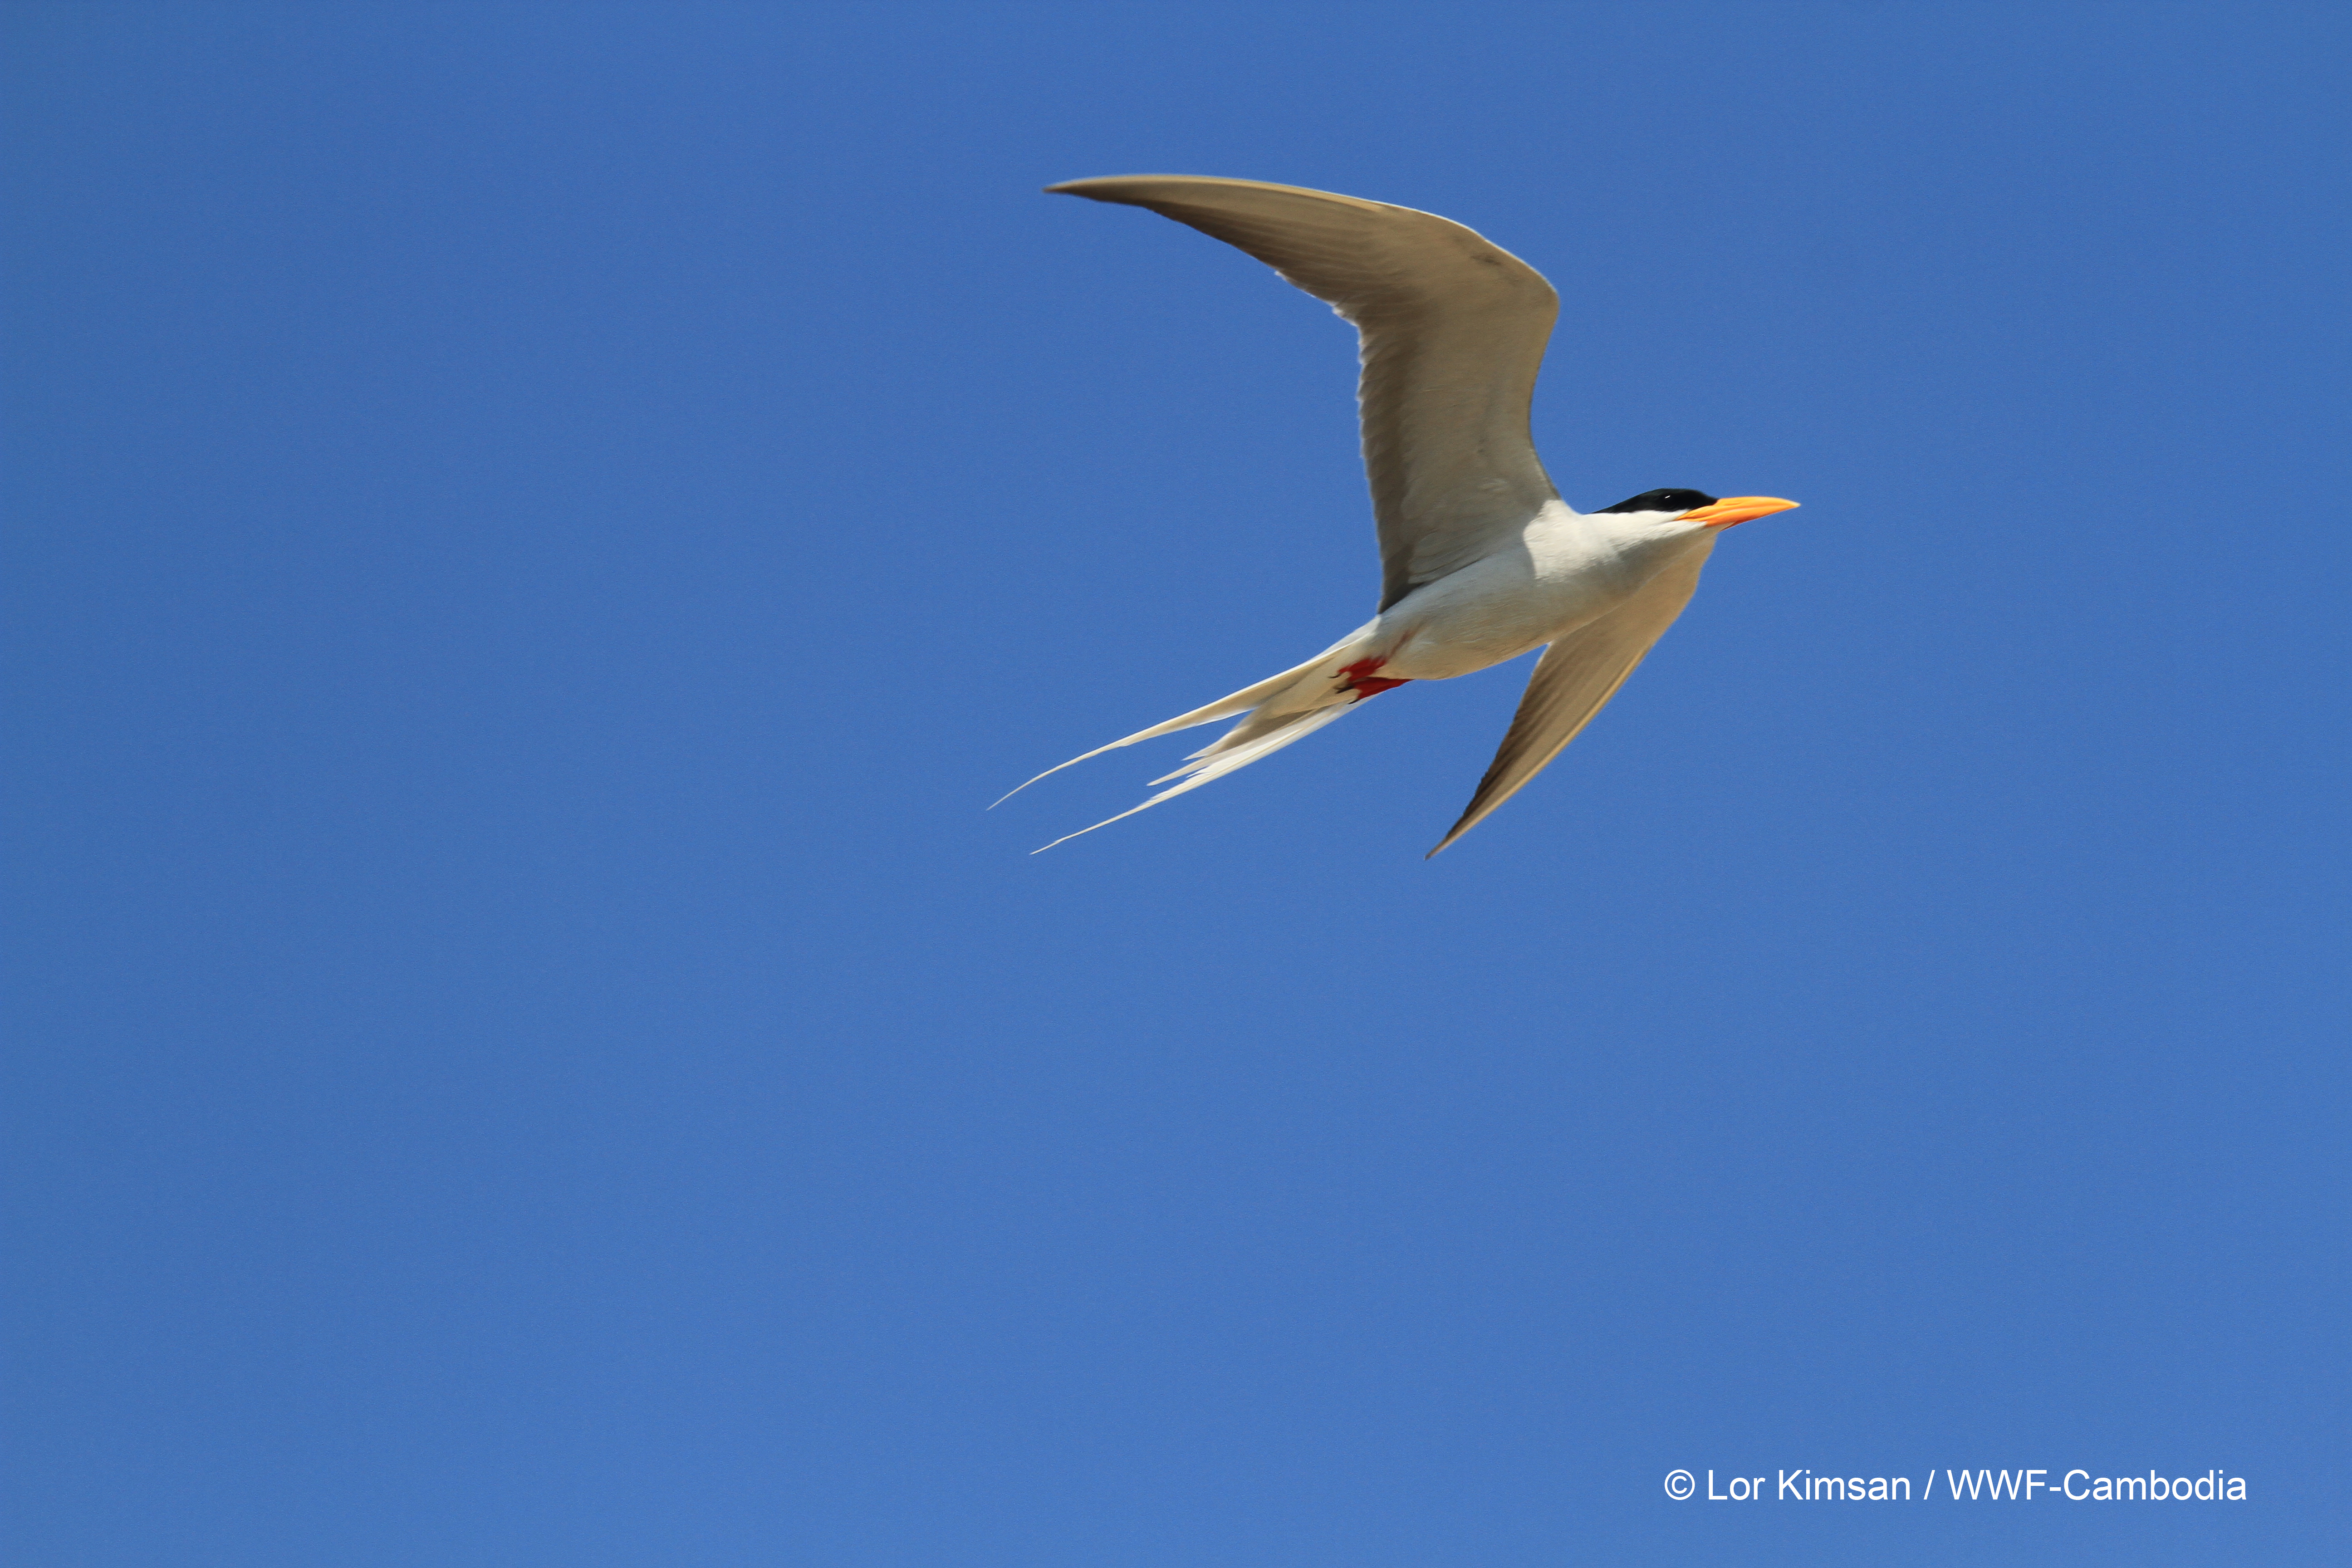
[{"x": 1738, "y": 509}]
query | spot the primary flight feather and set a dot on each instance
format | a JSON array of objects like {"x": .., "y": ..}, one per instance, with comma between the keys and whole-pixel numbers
[{"x": 1480, "y": 558}]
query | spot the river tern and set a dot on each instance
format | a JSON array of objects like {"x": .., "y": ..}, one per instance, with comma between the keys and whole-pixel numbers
[{"x": 1480, "y": 558}]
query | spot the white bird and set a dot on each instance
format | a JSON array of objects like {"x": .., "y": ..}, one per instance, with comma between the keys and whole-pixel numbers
[{"x": 1480, "y": 558}]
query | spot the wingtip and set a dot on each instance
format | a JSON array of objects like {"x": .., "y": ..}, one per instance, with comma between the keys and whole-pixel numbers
[{"x": 1462, "y": 826}]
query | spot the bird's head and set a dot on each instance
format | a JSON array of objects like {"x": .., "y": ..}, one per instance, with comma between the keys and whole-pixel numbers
[{"x": 1696, "y": 506}]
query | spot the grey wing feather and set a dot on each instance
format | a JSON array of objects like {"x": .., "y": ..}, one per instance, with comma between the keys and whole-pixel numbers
[
  {"x": 1452, "y": 330},
  {"x": 1576, "y": 677}
]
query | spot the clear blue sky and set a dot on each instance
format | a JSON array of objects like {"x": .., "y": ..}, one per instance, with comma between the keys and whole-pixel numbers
[{"x": 532, "y": 535}]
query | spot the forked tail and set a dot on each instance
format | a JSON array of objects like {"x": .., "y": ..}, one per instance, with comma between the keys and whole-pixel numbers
[{"x": 1286, "y": 707}]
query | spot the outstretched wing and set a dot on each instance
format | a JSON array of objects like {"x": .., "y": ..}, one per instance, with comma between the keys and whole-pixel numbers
[
  {"x": 1452, "y": 330},
  {"x": 1577, "y": 676}
]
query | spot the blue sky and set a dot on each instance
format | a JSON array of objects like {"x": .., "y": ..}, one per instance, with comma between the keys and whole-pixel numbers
[{"x": 532, "y": 534}]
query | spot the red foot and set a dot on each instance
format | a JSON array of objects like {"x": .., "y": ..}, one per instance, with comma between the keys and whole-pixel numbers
[{"x": 1363, "y": 682}]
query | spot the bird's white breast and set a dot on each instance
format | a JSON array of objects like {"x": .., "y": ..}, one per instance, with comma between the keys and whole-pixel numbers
[{"x": 1565, "y": 570}]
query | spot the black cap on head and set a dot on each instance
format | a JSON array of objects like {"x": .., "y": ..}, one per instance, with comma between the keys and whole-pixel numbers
[{"x": 1664, "y": 501}]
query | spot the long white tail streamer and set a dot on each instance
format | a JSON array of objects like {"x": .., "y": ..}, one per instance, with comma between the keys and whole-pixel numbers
[{"x": 1203, "y": 766}]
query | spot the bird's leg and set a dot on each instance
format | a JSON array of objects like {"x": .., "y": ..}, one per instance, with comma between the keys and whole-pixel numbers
[{"x": 1361, "y": 680}]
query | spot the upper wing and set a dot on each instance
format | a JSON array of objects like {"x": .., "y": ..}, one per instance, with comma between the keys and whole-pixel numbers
[
  {"x": 1452, "y": 330},
  {"x": 1575, "y": 677}
]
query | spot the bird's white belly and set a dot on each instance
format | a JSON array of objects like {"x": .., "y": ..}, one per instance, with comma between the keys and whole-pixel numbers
[{"x": 1500, "y": 608}]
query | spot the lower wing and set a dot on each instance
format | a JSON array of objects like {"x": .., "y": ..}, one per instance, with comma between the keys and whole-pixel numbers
[{"x": 1575, "y": 677}]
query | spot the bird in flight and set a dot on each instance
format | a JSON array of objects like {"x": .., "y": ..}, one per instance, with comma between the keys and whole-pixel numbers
[{"x": 1480, "y": 558}]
